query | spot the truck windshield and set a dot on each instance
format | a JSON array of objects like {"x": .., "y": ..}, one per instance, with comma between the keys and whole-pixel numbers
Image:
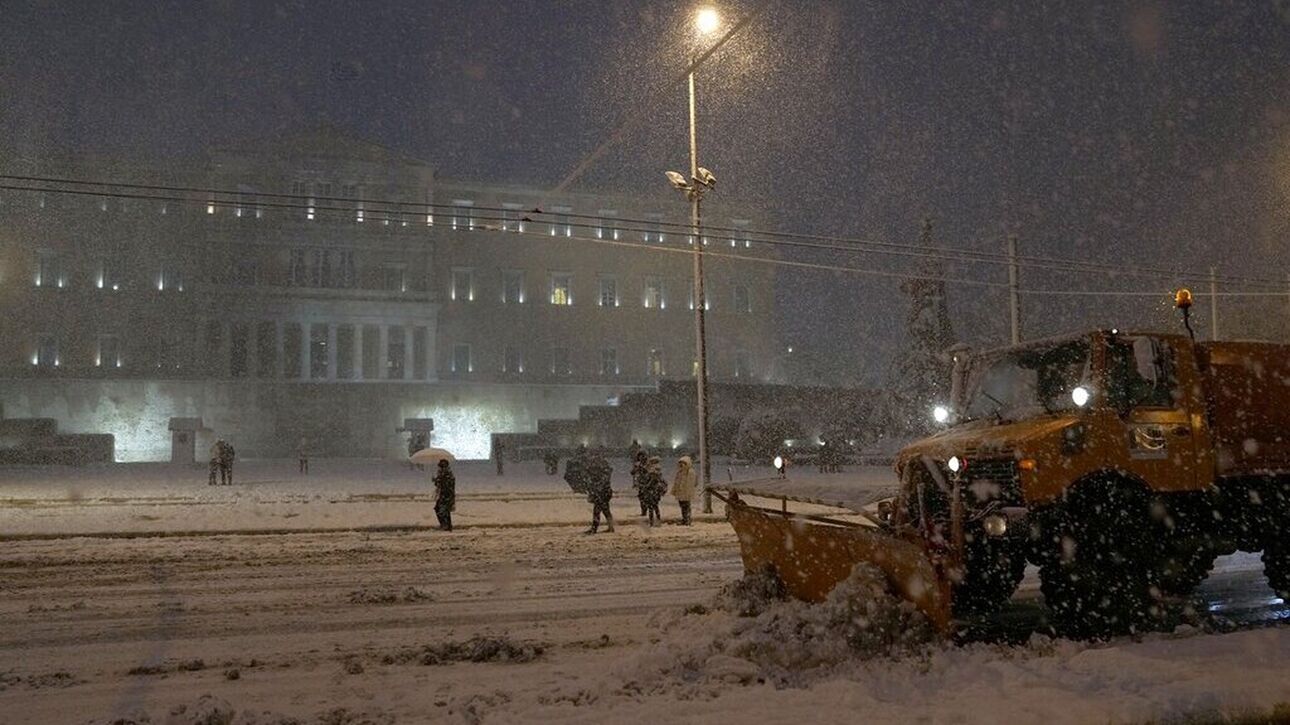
[{"x": 1032, "y": 381}]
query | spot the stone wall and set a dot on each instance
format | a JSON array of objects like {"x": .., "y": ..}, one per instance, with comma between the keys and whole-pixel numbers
[{"x": 268, "y": 418}]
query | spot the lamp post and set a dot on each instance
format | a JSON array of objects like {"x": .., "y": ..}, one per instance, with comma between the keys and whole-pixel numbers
[{"x": 699, "y": 182}]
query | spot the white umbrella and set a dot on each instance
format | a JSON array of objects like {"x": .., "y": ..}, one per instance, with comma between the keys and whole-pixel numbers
[{"x": 432, "y": 456}]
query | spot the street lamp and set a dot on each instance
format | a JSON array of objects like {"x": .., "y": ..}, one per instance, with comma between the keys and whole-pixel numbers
[{"x": 699, "y": 182}]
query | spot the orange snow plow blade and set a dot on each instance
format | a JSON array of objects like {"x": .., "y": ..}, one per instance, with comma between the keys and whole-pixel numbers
[{"x": 812, "y": 555}]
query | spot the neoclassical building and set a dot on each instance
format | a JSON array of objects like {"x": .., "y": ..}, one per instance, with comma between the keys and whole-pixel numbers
[{"x": 319, "y": 285}]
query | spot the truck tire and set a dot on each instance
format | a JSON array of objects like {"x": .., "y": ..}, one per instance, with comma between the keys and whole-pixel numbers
[
  {"x": 1276, "y": 566},
  {"x": 992, "y": 571},
  {"x": 1099, "y": 560}
]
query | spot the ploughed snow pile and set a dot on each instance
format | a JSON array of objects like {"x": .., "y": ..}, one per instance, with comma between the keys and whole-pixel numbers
[{"x": 751, "y": 633}]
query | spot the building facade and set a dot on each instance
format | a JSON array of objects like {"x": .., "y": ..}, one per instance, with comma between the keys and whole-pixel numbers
[{"x": 323, "y": 260}]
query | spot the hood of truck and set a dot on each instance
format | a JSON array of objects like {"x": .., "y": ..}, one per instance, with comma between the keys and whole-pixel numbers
[{"x": 983, "y": 438}]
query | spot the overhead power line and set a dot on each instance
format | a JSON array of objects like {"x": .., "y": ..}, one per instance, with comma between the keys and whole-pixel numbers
[{"x": 375, "y": 214}]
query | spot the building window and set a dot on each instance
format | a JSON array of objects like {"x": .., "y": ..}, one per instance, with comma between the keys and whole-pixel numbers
[
  {"x": 707, "y": 298},
  {"x": 512, "y": 217},
  {"x": 654, "y": 228},
  {"x": 463, "y": 215},
  {"x": 608, "y": 227},
  {"x": 561, "y": 288},
  {"x": 608, "y": 292},
  {"x": 299, "y": 272},
  {"x": 654, "y": 363},
  {"x": 743, "y": 299},
  {"x": 48, "y": 271},
  {"x": 560, "y": 360},
  {"x": 512, "y": 360},
  {"x": 169, "y": 278},
  {"x": 654, "y": 294},
  {"x": 396, "y": 352},
  {"x": 109, "y": 353},
  {"x": 394, "y": 278},
  {"x": 420, "y": 351},
  {"x": 318, "y": 351},
  {"x": 742, "y": 367},
  {"x": 512, "y": 287},
  {"x": 46, "y": 355},
  {"x": 609, "y": 361},
  {"x": 246, "y": 271},
  {"x": 562, "y": 225},
  {"x": 463, "y": 285},
  {"x": 348, "y": 274},
  {"x": 319, "y": 267},
  {"x": 741, "y": 236},
  {"x": 292, "y": 350},
  {"x": 461, "y": 362}
]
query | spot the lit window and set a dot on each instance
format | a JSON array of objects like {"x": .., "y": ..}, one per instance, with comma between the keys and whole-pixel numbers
[
  {"x": 46, "y": 355},
  {"x": 109, "y": 352},
  {"x": 48, "y": 271},
  {"x": 743, "y": 299},
  {"x": 707, "y": 299},
  {"x": 512, "y": 287},
  {"x": 461, "y": 362},
  {"x": 608, "y": 292},
  {"x": 512, "y": 217},
  {"x": 309, "y": 210},
  {"x": 654, "y": 294},
  {"x": 654, "y": 228},
  {"x": 463, "y": 214},
  {"x": 743, "y": 368},
  {"x": 609, "y": 361},
  {"x": 108, "y": 276},
  {"x": 210, "y": 207},
  {"x": 561, "y": 289},
  {"x": 560, "y": 361},
  {"x": 654, "y": 363},
  {"x": 512, "y": 360},
  {"x": 608, "y": 227},
  {"x": 562, "y": 226},
  {"x": 463, "y": 285},
  {"x": 741, "y": 236}
]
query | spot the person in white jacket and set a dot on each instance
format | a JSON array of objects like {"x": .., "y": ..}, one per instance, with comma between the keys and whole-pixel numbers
[{"x": 683, "y": 486}]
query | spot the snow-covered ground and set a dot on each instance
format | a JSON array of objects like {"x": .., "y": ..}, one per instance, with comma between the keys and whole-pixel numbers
[{"x": 516, "y": 617}]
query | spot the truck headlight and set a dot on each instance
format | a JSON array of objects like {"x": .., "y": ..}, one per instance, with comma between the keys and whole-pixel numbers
[
  {"x": 954, "y": 464},
  {"x": 940, "y": 414},
  {"x": 995, "y": 525}
]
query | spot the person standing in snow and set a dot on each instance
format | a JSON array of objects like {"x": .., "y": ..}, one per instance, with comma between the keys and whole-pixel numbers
[
  {"x": 217, "y": 449},
  {"x": 683, "y": 486},
  {"x": 599, "y": 476},
  {"x": 226, "y": 456},
  {"x": 302, "y": 453},
  {"x": 499, "y": 452},
  {"x": 445, "y": 495},
  {"x": 640, "y": 468},
  {"x": 575, "y": 471},
  {"x": 654, "y": 486}
]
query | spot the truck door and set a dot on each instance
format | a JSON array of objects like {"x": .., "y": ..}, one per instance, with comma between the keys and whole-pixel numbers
[{"x": 1148, "y": 386}]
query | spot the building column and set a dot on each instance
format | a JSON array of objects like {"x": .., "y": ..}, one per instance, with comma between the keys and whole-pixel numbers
[
  {"x": 383, "y": 353},
  {"x": 306, "y": 350},
  {"x": 279, "y": 351},
  {"x": 409, "y": 343},
  {"x": 333, "y": 353},
  {"x": 358, "y": 351}
]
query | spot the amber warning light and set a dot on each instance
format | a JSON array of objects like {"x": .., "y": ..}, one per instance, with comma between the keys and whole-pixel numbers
[{"x": 1182, "y": 298}]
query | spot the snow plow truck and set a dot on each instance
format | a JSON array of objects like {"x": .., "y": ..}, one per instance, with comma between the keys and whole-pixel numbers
[{"x": 1119, "y": 463}]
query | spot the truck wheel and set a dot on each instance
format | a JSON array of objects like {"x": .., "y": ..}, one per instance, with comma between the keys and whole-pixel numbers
[
  {"x": 1099, "y": 560},
  {"x": 992, "y": 571},
  {"x": 1276, "y": 566}
]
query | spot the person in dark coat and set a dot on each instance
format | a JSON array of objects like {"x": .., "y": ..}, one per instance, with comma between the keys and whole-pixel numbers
[
  {"x": 500, "y": 454},
  {"x": 217, "y": 449},
  {"x": 653, "y": 486},
  {"x": 445, "y": 495},
  {"x": 552, "y": 462},
  {"x": 600, "y": 490},
  {"x": 575, "y": 471},
  {"x": 226, "y": 456},
  {"x": 640, "y": 466}
]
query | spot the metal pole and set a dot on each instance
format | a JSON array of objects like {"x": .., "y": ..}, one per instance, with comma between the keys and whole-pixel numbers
[
  {"x": 1213, "y": 303},
  {"x": 700, "y": 335},
  {"x": 1014, "y": 304}
]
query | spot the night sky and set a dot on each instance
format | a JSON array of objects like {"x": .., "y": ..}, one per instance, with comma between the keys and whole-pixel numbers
[{"x": 1139, "y": 133}]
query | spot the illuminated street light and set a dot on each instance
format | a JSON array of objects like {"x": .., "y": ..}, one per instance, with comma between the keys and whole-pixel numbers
[{"x": 707, "y": 20}]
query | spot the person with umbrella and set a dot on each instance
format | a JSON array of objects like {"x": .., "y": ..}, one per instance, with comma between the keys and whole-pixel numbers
[
  {"x": 445, "y": 494},
  {"x": 598, "y": 475}
]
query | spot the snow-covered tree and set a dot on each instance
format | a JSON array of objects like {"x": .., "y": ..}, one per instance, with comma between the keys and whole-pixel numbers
[{"x": 920, "y": 375}]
